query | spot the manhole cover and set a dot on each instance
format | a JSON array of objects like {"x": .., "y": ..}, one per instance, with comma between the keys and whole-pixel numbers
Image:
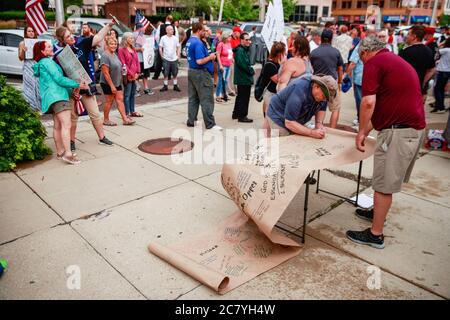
[{"x": 166, "y": 146}]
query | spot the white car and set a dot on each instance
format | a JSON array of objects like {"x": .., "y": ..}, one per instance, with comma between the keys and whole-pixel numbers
[{"x": 9, "y": 47}]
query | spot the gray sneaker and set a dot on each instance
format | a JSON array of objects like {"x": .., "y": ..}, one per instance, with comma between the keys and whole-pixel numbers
[{"x": 105, "y": 142}]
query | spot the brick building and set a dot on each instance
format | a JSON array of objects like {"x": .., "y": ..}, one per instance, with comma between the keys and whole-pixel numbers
[
  {"x": 124, "y": 9},
  {"x": 392, "y": 10}
]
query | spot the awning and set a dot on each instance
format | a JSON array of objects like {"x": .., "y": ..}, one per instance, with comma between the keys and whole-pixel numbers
[
  {"x": 424, "y": 19},
  {"x": 394, "y": 18}
]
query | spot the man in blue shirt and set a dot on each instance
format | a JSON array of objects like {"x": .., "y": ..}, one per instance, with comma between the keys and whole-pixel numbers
[
  {"x": 200, "y": 80},
  {"x": 295, "y": 105}
]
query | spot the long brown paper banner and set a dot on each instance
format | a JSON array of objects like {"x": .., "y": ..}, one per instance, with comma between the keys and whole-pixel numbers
[{"x": 262, "y": 185}]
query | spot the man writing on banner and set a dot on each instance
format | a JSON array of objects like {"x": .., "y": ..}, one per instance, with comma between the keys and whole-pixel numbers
[
  {"x": 295, "y": 105},
  {"x": 392, "y": 105}
]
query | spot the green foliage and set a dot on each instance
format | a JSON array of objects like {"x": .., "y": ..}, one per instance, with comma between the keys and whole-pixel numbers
[
  {"x": 21, "y": 131},
  {"x": 288, "y": 8},
  {"x": 241, "y": 10},
  {"x": 444, "y": 20},
  {"x": 20, "y": 15}
]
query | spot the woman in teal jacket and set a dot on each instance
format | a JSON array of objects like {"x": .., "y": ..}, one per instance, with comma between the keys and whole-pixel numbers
[{"x": 55, "y": 91}]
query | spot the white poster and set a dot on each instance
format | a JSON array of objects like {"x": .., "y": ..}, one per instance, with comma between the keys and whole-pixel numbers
[
  {"x": 149, "y": 52},
  {"x": 447, "y": 7},
  {"x": 29, "y": 44},
  {"x": 72, "y": 67},
  {"x": 273, "y": 27}
]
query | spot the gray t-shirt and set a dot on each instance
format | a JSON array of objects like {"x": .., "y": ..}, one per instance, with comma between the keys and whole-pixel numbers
[
  {"x": 115, "y": 68},
  {"x": 325, "y": 60}
]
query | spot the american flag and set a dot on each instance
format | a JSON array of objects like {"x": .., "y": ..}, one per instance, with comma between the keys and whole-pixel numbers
[
  {"x": 140, "y": 19},
  {"x": 35, "y": 16}
]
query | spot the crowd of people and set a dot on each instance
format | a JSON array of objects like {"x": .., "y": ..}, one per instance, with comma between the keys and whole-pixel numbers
[{"x": 303, "y": 76}]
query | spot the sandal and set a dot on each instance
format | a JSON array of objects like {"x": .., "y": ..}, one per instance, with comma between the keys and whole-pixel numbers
[
  {"x": 70, "y": 160},
  {"x": 109, "y": 123},
  {"x": 136, "y": 114},
  {"x": 219, "y": 99},
  {"x": 129, "y": 122}
]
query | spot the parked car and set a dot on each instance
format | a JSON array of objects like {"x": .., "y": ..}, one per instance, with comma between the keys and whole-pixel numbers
[
  {"x": 213, "y": 27},
  {"x": 247, "y": 27},
  {"x": 9, "y": 50},
  {"x": 97, "y": 24}
]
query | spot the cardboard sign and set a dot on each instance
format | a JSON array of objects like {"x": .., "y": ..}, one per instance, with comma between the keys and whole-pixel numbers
[
  {"x": 29, "y": 44},
  {"x": 72, "y": 67},
  {"x": 149, "y": 52}
]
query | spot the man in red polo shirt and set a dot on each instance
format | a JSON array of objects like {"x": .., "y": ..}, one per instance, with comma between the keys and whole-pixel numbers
[{"x": 392, "y": 105}]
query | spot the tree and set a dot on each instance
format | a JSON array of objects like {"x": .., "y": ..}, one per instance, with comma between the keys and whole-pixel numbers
[{"x": 288, "y": 8}]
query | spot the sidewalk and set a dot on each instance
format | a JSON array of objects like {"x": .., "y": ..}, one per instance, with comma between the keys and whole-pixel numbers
[{"x": 100, "y": 216}]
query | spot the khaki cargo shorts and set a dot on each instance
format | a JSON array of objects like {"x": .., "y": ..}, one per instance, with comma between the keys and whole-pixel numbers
[
  {"x": 276, "y": 130},
  {"x": 395, "y": 154}
]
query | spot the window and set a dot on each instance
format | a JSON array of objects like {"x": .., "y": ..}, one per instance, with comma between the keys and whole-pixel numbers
[
  {"x": 379, "y": 3},
  {"x": 346, "y": 4},
  {"x": 334, "y": 5},
  {"x": 361, "y": 4},
  {"x": 13, "y": 40},
  {"x": 395, "y": 4},
  {"x": 325, "y": 11},
  {"x": 306, "y": 13}
]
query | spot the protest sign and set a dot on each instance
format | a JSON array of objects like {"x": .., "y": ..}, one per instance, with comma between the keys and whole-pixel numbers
[{"x": 72, "y": 66}]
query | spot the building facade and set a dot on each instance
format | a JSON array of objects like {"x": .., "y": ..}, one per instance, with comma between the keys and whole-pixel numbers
[
  {"x": 392, "y": 11},
  {"x": 124, "y": 9},
  {"x": 94, "y": 7},
  {"x": 311, "y": 11}
]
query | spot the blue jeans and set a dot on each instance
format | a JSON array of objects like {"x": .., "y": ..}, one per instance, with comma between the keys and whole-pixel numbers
[
  {"x": 225, "y": 75},
  {"x": 439, "y": 89},
  {"x": 130, "y": 91},
  {"x": 357, "y": 91}
]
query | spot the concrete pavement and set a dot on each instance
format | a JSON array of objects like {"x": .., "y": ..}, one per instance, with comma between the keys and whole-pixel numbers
[{"x": 96, "y": 219}]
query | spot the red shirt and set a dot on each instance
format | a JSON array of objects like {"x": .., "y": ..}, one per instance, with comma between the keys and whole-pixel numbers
[
  {"x": 235, "y": 42},
  {"x": 396, "y": 86}
]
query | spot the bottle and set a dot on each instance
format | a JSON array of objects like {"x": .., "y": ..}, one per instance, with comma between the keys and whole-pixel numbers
[
  {"x": 3, "y": 266},
  {"x": 124, "y": 70}
]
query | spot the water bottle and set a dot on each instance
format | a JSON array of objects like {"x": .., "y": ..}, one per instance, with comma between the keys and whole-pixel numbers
[
  {"x": 3, "y": 266},
  {"x": 124, "y": 70}
]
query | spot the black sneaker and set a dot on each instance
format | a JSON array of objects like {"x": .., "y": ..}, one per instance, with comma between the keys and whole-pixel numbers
[
  {"x": 176, "y": 88},
  {"x": 311, "y": 181},
  {"x": 72, "y": 146},
  {"x": 190, "y": 124},
  {"x": 438, "y": 111},
  {"x": 366, "y": 237},
  {"x": 149, "y": 91},
  {"x": 246, "y": 120},
  {"x": 164, "y": 88},
  {"x": 364, "y": 214},
  {"x": 105, "y": 142}
]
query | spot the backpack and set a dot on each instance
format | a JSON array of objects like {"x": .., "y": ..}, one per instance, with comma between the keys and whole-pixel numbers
[{"x": 259, "y": 87}]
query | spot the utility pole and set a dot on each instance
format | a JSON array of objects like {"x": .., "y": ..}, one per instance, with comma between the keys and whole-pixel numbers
[
  {"x": 433, "y": 16},
  {"x": 220, "y": 11},
  {"x": 59, "y": 12},
  {"x": 262, "y": 10}
]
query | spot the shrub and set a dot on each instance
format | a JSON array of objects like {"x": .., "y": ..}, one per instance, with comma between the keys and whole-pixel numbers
[{"x": 21, "y": 131}]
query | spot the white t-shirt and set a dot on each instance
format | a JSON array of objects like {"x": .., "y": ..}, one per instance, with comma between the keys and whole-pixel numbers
[
  {"x": 169, "y": 45},
  {"x": 312, "y": 45}
]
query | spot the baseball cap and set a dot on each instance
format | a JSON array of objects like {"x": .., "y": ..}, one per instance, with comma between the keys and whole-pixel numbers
[
  {"x": 328, "y": 85},
  {"x": 237, "y": 29},
  {"x": 327, "y": 34}
]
